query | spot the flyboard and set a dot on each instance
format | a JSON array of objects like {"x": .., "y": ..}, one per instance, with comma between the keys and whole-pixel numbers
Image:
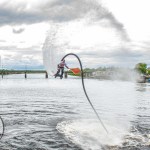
[{"x": 75, "y": 71}]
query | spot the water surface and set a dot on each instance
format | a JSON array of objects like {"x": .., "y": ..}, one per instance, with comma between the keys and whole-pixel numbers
[{"x": 47, "y": 114}]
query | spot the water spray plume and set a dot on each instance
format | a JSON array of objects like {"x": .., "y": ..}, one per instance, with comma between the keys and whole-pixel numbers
[
  {"x": 51, "y": 50},
  {"x": 82, "y": 77}
]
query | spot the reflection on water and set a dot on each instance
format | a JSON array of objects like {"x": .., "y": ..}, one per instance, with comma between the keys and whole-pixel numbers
[{"x": 54, "y": 114}]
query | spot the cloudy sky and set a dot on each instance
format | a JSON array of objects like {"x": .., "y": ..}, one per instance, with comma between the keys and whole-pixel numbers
[{"x": 102, "y": 33}]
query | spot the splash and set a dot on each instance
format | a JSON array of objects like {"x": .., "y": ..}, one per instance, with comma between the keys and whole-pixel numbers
[
  {"x": 124, "y": 74},
  {"x": 88, "y": 135},
  {"x": 81, "y": 27},
  {"x": 52, "y": 52},
  {"x": 71, "y": 10}
]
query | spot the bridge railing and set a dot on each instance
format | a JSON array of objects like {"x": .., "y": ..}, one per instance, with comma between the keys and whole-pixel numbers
[{"x": 25, "y": 72}]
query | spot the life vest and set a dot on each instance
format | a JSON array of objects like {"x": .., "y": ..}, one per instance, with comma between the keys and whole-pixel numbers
[{"x": 62, "y": 64}]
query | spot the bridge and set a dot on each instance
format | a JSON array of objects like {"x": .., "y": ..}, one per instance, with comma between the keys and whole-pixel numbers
[
  {"x": 25, "y": 72},
  {"x": 4, "y": 72}
]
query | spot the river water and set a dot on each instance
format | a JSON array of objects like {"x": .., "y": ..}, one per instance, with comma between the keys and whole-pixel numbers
[{"x": 47, "y": 114}]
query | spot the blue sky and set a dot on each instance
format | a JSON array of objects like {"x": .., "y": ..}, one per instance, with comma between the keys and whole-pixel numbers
[{"x": 102, "y": 33}]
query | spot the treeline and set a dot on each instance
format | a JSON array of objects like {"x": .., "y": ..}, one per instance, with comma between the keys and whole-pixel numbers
[
  {"x": 142, "y": 68},
  {"x": 103, "y": 69}
]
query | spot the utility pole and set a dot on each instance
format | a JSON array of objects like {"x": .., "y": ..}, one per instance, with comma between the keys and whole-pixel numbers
[
  {"x": 25, "y": 75},
  {"x": 1, "y": 66},
  {"x": 0, "y": 63}
]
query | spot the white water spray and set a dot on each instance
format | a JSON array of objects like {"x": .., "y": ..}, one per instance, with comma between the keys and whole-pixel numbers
[
  {"x": 83, "y": 34},
  {"x": 81, "y": 27},
  {"x": 88, "y": 135},
  {"x": 52, "y": 51}
]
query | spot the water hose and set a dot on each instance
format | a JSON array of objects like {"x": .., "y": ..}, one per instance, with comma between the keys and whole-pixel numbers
[
  {"x": 82, "y": 77},
  {"x": 1, "y": 135}
]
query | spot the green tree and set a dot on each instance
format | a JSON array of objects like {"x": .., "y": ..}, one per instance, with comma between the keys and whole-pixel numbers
[
  {"x": 141, "y": 68},
  {"x": 148, "y": 71},
  {"x": 89, "y": 69}
]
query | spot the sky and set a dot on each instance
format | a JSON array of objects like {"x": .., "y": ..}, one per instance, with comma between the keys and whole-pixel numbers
[{"x": 101, "y": 32}]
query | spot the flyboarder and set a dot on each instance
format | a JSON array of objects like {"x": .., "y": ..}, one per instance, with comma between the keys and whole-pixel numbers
[{"x": 60, "y": 68}]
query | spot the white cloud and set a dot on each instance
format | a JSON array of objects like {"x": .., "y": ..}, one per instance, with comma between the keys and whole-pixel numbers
[
  {"x": 134, "y": 15},
  {"x": 113, "y": 33},
  {"x": 16, "y": 49},
  {"x": 32, "y": 35},
  {"x": 18, "y": 31}
]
